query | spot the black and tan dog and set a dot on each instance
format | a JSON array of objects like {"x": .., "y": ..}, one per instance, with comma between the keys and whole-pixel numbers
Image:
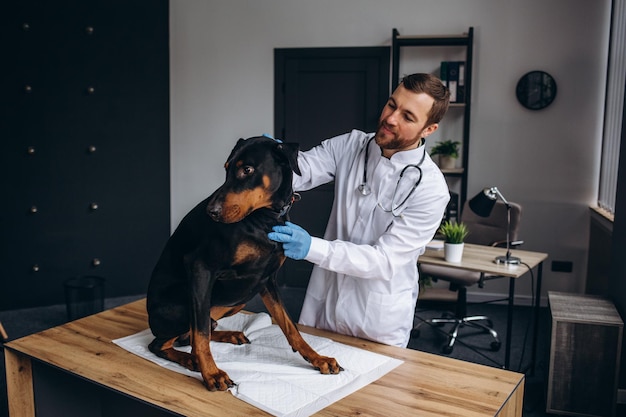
[{"x": 219, "y": 258}]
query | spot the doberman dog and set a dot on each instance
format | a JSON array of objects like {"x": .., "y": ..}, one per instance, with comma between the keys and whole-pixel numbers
[{"x": 219, "y": 258}]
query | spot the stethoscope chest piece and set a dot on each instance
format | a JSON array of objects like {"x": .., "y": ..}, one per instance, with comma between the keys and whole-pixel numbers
[{"x": 365, "y": 189}]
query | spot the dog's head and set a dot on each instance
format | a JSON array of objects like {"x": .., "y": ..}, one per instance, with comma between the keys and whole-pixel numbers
[{"x": 258, "y": 175}]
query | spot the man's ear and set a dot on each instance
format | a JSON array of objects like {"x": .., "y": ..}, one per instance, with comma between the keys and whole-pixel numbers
[
  {"x": 430, "y": 129},
  {"x": 290, "y": 150}
]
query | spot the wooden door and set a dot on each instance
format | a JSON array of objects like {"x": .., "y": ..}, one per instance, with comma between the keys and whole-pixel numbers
[{"x": 321, "y": 93}]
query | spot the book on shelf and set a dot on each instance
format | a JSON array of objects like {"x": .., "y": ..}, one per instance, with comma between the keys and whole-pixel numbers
[{"x": 452, "y": 74}]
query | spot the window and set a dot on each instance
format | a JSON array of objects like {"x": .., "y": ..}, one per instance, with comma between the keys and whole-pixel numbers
[{"x": 613, "y": 109}]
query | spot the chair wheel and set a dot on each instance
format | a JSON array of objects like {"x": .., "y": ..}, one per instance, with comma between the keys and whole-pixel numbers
[
  {"x": 495, "y": 346},
  {"x": 490, "y": 324},
  {"x": 415, "y": 333},
  {"x": 447, "y": 349}
]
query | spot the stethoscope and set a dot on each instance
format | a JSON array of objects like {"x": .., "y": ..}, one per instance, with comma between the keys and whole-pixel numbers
[{"x": 366, "y": 190}]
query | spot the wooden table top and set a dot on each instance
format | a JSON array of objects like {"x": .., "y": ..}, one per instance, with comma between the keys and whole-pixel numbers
[
  {"x": 424, "y": 385},
  {"x": 583, "y": 308},
  {"x": 480, "y": 258}
]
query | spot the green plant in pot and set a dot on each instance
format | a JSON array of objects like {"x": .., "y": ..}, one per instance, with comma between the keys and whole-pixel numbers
[
  {"x": 453, "y": 232},
  {"x": 448, "y": 151},
  {"x": 454, "y": 235}
]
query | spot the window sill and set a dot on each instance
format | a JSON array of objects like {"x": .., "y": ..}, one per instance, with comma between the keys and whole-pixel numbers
[{"x": 602, "y": 217}]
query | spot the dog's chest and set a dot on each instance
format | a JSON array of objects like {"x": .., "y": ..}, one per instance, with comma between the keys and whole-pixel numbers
[
  {"x": 242, "y": 248},
  {"x": 249, "y": 251}
]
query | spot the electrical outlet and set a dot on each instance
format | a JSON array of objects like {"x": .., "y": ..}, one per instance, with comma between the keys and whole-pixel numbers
[{"x": 562, "y": 266}]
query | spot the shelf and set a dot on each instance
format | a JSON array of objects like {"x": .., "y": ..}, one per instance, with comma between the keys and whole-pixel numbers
[
  {"x": 441, "y": 40},
  {"x": 465, "y": 40},
  {"x": 453, "y": 172},
  {"x": 430, "y": 37}
]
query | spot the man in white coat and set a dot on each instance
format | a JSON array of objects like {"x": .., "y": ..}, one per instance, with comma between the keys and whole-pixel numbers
[{"x": 389, "y": 201}]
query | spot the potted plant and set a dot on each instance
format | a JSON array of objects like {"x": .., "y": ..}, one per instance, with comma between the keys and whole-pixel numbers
[
  {"x": 448, "y": 151},
  {"x": 454, "y": 235}
]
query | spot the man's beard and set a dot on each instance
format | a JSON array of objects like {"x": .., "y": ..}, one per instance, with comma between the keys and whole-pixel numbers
[{"x": 392, "y": 141}]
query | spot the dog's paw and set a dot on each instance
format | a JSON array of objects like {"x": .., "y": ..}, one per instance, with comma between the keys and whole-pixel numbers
[
  {"x": 219, "y": 381},
  {"x": 325, "y": 365},
  {"x": 236, "y": 338}
]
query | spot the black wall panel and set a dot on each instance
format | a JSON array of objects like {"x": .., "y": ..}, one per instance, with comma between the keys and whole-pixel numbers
[{"x": 84, "y": 150}]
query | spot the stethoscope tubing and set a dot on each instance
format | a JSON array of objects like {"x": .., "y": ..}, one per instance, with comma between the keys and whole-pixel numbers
[{"x": 365, "y": 189}]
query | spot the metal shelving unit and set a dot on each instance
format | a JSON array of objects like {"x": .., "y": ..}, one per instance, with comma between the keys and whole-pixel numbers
[{"x": 465, "y": 40}]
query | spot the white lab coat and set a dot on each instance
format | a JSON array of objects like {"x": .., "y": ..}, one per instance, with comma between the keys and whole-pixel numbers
[{"x": 365, "y": 280}]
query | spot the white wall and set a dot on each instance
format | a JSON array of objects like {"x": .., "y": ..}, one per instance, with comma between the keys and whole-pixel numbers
[{"x": 222, "y": 89}]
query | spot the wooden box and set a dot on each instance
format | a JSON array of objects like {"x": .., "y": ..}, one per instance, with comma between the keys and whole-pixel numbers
[{"x": 585, "y": 348}]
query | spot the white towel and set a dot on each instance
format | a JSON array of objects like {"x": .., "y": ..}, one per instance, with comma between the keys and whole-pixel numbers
[{"x": 269, "y": 375}]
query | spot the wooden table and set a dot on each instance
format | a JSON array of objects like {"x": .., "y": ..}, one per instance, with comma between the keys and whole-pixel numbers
[
  {"x": 424, "y": 385},
  {"x": 480, "y": 258}
]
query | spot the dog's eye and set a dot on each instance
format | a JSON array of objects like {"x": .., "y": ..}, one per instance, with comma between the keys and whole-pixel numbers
[{"x": 245, "y": 171}]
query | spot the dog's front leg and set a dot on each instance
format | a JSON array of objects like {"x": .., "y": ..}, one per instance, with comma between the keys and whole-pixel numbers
[
  {"x": 202, "y": 283},
  {"x": 272, "y": 301}
]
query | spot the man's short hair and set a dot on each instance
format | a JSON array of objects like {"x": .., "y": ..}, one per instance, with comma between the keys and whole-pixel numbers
[{"x": 431, "y": 85}]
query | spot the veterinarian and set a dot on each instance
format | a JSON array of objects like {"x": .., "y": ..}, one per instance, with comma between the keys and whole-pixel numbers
[{"x": 389, "y": 201}]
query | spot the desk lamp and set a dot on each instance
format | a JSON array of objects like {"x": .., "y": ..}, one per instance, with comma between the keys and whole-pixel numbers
[{"x": 482, "y": 204}]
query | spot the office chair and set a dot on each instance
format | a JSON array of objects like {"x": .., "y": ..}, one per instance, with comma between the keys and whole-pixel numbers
[{"x": 490, "y": 231}]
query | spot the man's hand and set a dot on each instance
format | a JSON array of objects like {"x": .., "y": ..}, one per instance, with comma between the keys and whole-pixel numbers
[{"x": 296, "y": 241}]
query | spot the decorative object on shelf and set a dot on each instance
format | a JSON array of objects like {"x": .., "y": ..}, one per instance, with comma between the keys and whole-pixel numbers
[
  {"x": 536, "y": 90},
  {"x": 448, "y": 151},
  {"x": 452, "y": 74},
  {"x": 454, "y": 235},
  {"x": 482, "y": 204}
]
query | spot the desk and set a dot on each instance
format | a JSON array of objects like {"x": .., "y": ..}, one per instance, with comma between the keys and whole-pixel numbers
[
  {"x": 481, "y": 259},
  {"x": 424, "y": 385}
]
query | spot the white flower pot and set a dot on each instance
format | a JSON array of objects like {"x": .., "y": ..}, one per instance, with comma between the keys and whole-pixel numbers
[
  {"x": 453, "y": 252},
  {"x": 447, "y": 162}
]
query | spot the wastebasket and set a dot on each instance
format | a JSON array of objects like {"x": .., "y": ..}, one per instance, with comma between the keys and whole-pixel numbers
[{"x": 84, "y": 296}]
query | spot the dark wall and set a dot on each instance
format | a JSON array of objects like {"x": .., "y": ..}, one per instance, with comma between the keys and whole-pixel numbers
[{"x": 84, "y": 159}]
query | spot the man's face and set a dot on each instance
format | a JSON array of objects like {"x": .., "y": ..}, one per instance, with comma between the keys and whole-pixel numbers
[{"x": 403, "y": 121}]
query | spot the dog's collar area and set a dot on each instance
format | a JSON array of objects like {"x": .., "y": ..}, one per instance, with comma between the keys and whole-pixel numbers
[{"x": 294, "y": 197}]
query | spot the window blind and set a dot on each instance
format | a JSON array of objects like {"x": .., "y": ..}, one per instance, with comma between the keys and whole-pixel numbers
[{"x": 614, "y": 108}]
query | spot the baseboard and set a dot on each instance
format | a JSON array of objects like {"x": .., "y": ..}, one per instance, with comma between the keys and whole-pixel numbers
[{"x": 520, "y": 300}]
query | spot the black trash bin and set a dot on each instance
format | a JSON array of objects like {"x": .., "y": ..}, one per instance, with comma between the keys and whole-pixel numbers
[{"x": 84, "y": 296}]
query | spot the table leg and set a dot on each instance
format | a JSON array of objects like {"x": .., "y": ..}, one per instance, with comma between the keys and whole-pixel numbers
[
  {"x": 19, "y": 374},
  {"x": 536, "y": 314},
  {"x": 509, "y": 324},
  {"x": 3, "y": 333}
]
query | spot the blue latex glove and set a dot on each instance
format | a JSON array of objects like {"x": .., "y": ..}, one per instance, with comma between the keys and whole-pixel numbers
[
  {"x": 296, "y": 241},
  {"x": 267, "y": 135}
]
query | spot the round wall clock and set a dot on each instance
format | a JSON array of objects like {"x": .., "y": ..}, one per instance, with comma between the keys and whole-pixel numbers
[{"x": 536, "y": 90}]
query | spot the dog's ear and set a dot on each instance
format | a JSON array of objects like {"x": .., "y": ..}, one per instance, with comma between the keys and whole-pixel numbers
[
  {"x": 290, "y": 150},
  {"x": 239, "y": 144}
]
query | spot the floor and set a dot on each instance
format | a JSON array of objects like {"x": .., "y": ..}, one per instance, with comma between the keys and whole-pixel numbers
[{"x": 19, "y": 323}]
